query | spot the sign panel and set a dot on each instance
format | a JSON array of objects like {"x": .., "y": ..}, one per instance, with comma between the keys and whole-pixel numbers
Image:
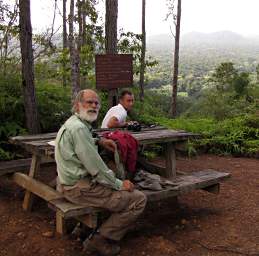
[{"x": 113, "y": 71}]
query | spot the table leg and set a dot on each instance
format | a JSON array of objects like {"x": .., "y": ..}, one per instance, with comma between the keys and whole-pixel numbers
[
  {"x": 28, "y": 198},
  {"x": 170, "y": 159}
]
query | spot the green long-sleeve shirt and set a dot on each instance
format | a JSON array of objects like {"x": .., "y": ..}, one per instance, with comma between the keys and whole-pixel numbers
[{"x": 77, "y": 156}]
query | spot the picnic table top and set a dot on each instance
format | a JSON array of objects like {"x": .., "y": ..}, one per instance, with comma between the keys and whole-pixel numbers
[{"x": 38, "y": 144}]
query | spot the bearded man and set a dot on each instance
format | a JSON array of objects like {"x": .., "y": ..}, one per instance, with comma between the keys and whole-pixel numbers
[{"x": 85, "y": 179}]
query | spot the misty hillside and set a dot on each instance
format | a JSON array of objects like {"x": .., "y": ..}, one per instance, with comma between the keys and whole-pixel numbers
[
  {"x": 200, "y": 53},
  {"x": 221, "y": 39}
]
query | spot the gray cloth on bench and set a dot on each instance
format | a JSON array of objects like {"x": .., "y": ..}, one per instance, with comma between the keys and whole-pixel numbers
[{"x": 146, "y": 180}]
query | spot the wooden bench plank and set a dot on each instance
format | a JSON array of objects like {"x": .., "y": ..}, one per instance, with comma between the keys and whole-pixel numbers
[
  {"x": 207, "y": 179},
  {"x": 14, "y": 166},
  {"x": 188, "y": 183},
  {"x": 69, "y": 209},
  {"x": 36, "y": 187},
  {"x": 20, "y": 165},
  {"x": 56, "y": 200}
]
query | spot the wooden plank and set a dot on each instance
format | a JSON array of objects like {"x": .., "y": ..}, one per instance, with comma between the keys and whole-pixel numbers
[
  {"x": 14, "y": 166},
  {"x": 69, "y": 209},
  {"x": 21, "y": 165},
  {"x": 188, "y": 183},
  {"x": 151, "y": 138},
  {"x": 156, "y": 133},
  {"x": 170, "y": 161},
  {"x": 20, "y": 139},
  {"x": 36, "y": 187}
]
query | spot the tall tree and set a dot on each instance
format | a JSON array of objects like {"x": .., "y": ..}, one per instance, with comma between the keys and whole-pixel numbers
[
  {"x": 111, "y": 17},
  {"x": 177, "y": 23},
  {"x": 8, "y": 30},
  {"x": 81, "y": 6},
  {"x": 143, "y": 52},
  {"x": 32, "y": 120},
  {"x": 74, "y": 55},
  {"x": 65, "y": 45},
  {"x": 91, "y": 35},
  {"x": 84, "y": 28}
]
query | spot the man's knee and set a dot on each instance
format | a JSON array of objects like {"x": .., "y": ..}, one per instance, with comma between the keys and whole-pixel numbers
[{"x": 139, "y": 198}]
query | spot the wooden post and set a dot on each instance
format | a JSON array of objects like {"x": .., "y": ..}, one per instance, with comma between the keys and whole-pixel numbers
[
  {"x": 170, "y": 158},
  {"x": 60, "y": 223},
  {"x": 28, "y": 198}
]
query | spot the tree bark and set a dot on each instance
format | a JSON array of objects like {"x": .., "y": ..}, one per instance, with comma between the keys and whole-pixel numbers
[
  {"x": 111, "y": 17},
  {"x": 143, "y": 52},
  {"x": 84, "y": 22},
  {"x": 30, "y": 104},
  {"x": 65, "y": 45},
  {"x": 176, "y": 60},
  {"x": 80, "y": 25},
  {"x": 74, "y": 55}
]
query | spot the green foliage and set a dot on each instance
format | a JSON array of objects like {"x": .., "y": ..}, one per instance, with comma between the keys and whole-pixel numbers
[
  {"x": 235, "y": 136},
  {"x": 131, "y": 43},
  {"x": 224, "y": 75},
  {"x": 54, "y": 105},
  {"x": 12, "y": 113},
  {"x": 5, "y": 155},
  {"x": 11, "y": 102},
  {"x": 240, "y": 83}
]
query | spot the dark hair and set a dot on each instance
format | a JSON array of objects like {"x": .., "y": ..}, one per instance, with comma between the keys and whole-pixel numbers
[{"x": 125, "y": 92}]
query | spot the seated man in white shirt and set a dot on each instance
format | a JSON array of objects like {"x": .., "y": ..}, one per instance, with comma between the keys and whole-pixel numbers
[{"x": 116, "y": 116}]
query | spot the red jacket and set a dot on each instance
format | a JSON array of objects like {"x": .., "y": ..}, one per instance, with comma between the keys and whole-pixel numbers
[{"x": 128, "y": 147}]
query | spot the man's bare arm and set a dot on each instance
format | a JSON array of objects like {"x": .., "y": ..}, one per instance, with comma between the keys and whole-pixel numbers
[{"x": 114, "y": 123}]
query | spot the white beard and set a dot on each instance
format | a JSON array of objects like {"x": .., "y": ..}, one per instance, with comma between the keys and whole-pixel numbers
[{"x": 88, "y": 115}]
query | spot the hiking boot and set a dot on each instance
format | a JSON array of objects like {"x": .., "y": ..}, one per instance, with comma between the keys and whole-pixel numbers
[{"x": 101, "y": 245}]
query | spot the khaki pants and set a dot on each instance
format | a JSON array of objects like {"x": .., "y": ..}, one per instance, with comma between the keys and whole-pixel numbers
[{"x": 124, "y": 206}]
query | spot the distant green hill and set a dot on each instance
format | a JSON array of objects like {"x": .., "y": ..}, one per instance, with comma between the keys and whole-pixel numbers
[
  {"x": 220, "y": 38},
  {"x": 200, "y": 53}
]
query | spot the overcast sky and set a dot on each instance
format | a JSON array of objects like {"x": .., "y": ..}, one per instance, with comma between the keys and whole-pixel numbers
[{"x": 197, "y": 15}]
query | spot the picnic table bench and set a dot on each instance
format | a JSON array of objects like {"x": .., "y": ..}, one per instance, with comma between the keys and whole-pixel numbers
[{"x": 38, "y": 146}]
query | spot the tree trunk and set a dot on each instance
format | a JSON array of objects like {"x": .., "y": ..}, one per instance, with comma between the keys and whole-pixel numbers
[
  {"x": 176, "y": 60},
  {"x": 30, "y": 105},
  {"x": 80, "y": 25},
  {"x": 111, "y": 17},
  {"x": 84, "y": 22},
  {"x": 84, "y": 76},
  {"x": 74, "y": 56},
  {"x": 65, "y": 45},
  {"x": 143, "y": 52},
  {"x": 80, "y": 39}
]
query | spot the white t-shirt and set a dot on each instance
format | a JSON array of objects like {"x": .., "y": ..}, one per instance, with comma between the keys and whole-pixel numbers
[{"x": 117, "y": 111}]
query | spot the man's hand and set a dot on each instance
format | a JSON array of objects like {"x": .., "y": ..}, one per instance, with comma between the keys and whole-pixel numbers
[
  {"x": 107, "y": 144},
  {"x": 127, "y": 185}
]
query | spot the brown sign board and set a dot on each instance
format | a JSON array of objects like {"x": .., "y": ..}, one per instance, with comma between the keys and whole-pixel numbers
[{"x": 113, "y": 71}]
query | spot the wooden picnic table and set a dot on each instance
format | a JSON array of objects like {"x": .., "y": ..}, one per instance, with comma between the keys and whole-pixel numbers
[
  {"x": 41, "y": 151},
  {"x": 38, "y": 145}
]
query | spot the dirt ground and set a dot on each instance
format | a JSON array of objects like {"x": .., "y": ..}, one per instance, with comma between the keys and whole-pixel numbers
[{"x": 200, "y": 224}]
